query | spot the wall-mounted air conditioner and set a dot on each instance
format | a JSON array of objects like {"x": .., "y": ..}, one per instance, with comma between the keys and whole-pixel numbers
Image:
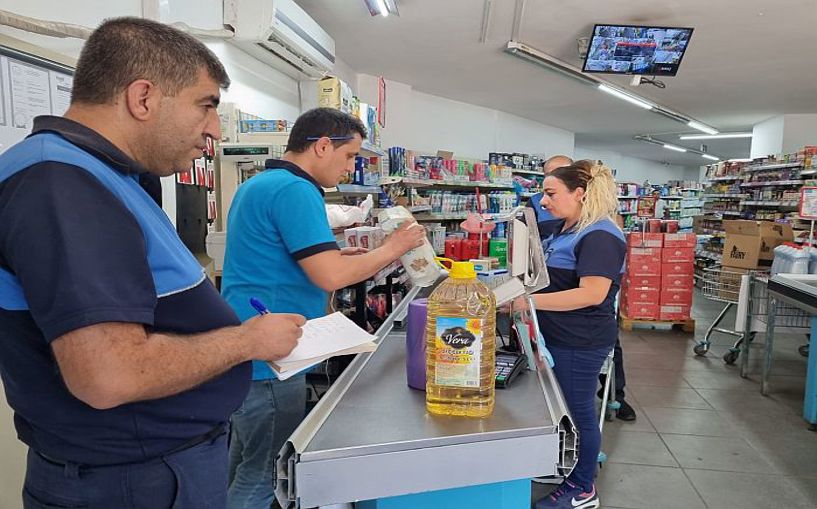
[{"x": 281, "y": 34}]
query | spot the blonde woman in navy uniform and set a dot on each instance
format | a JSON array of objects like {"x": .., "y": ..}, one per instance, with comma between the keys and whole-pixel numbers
[{"x": 585, "y": 261}]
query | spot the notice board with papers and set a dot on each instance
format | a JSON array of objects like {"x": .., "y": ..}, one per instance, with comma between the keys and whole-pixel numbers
[{"x": 32, "y": 82}]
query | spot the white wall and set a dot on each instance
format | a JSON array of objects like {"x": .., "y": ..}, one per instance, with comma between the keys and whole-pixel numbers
[
  {"x": 425, "y": 122},
  {"x": 634, "y": 169},
  {"x": 767, "y": 137},
  {"x": 799, "y": 131}
]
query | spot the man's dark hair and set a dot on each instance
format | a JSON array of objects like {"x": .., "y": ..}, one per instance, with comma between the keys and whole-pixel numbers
[
  {"x": 321, "y": 122},
  {"x": 123, "y": 50}
]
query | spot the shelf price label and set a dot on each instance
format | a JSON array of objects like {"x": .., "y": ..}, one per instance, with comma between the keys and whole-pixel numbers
[{"x": 808, "y": 203}]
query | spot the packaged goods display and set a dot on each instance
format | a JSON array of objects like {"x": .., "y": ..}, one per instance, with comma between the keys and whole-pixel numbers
[{"x": 658, "y": 282}]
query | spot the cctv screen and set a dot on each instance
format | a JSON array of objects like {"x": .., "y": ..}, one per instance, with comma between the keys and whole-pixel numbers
[{"x": 618, "y": 49}]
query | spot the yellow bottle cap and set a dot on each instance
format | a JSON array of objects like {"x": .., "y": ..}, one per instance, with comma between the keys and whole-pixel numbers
[{"x": 462, "y": 270}]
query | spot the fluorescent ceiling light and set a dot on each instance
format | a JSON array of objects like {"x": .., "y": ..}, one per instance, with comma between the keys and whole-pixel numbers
[
  {"x": 702, "y": 127},
  {"x": 743, "y": 160},
  {"x": 707, "y": 156},
  {"x": 673, "y": 147},
  {"x": 626, "y": 97},
  {"x": 382, "y": 7},
  {"x": 714, "y": 136}
]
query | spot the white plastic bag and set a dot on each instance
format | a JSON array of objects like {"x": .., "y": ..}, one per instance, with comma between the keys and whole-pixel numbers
[{"x": 345, "y": 215}]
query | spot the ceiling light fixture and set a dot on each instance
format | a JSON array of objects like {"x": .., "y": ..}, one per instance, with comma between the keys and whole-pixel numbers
[
  {"x": 626, "y": 97},
  {"x": 542, "y": 59},
  {"x": 382, "y": 7},
  {"x": 702, "y": 127},
  {"x": 669, "y": 146},
  {"x": 740, "y": 160},
  {"x": 714, "y": 136}
]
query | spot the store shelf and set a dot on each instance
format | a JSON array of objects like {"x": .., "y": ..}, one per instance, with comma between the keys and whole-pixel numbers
[
  {"x": 463, "y": 185},
  {"x": 774, "y": 183},
  {"x": 714, "y": 233},
  {"x": 696, "y": 189},
  {"x": 353, "y": 190},
  {"x": 724, "y": 178},
  {"x": 529, "y": 172},
  {"x": 725, "y": 196},
  {"x": 808, "y": 172},
  {"x": 767, "y": 167},
  {"x": 419, "y": 208},
  {"x": 723, "y": 213},
  {"x": 709, "y": 255},
  {"x": 788, "y": 203},
  {"x": 692, "y": 205},
  {"x": 627, "y": 213},
  {"x": 627, "y": 197},
  {"x": 370, "y": 149},
  {"x": 671, "y": 197}
]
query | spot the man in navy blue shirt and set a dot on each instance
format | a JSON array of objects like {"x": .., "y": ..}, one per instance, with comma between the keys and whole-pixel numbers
[
  {"x": 547, "y": 223},
  {"x": 121, "y": 361},
  {"x": 281, "y": 249}
]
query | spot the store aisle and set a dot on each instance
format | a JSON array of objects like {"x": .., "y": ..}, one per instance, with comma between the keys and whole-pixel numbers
[{"x": 704, "y": 437}]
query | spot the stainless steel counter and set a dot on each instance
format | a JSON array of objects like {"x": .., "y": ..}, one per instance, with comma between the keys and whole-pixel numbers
[{"x": 371, "y": 437}]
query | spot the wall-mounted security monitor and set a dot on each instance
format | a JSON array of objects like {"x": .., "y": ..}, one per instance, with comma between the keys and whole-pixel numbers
[{"x": 632, "y": 49}]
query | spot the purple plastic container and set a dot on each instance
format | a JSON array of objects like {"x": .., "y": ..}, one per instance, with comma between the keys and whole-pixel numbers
[{"x": 416, "y": 344}]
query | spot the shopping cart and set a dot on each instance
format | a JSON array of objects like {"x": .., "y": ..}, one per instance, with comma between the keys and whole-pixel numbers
[
  {"x": 752, "y": 313},
  {"x": 721, "y": 285},
  {"x": 748, "y": 294}
]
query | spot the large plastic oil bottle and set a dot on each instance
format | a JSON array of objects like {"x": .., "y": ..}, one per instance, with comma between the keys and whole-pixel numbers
[{"x": 460, "y": 345}]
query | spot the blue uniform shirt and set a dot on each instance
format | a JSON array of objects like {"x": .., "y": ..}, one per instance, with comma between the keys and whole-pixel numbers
[
  {"x": 598, "y": 250},
  {"x": 276, "y": 219},
  {"x": 83, "y": 257}
]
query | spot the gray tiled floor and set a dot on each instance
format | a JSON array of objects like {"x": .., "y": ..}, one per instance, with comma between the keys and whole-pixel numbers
[{"x": 705, "y": 437}]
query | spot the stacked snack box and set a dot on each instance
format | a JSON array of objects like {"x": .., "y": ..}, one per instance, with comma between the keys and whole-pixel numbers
[
  {"x": 658, "y": 281},
  {"x": 641, "y": 285},
  {"x": 677, "y": 282}
]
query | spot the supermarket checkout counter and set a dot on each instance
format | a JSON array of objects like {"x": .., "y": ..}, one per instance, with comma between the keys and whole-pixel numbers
[
  {"x": 799, "y": 290},
  {"x": 370, "y": 440}
]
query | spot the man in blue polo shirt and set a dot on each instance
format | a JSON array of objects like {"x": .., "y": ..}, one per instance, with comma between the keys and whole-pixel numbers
[
  {"x": 120, "y": 360},
  {"x": 281, "y": 250}
]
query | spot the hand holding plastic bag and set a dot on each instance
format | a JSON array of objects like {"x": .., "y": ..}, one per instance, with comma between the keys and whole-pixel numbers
[{"x": 346, "y": 215}]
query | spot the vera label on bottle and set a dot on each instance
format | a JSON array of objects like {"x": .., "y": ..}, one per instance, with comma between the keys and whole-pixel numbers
[{"x": 458, "y": 352}]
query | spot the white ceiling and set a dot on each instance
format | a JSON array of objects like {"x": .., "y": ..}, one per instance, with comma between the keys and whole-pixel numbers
[{"x": 748, "y": 60}]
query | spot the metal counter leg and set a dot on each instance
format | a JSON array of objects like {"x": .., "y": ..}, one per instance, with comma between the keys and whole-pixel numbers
[
  {"x": 746, "y": 341},
  {"x": 810, "y": 403},
  {"x": 767, "y": 364}
]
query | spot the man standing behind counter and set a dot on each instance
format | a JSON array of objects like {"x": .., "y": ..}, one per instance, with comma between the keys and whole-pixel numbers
[
  {"x": 118, "y": 356},
  {"x": 281, "y": 250}
]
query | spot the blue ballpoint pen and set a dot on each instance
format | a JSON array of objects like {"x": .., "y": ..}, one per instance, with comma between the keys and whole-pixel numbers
[{"x": 258, "y": 306}]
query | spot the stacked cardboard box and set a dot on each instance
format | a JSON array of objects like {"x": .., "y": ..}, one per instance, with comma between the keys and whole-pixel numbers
[
  {"x": 749, "y": 245},
  {"x": 658, "y": 281}
]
